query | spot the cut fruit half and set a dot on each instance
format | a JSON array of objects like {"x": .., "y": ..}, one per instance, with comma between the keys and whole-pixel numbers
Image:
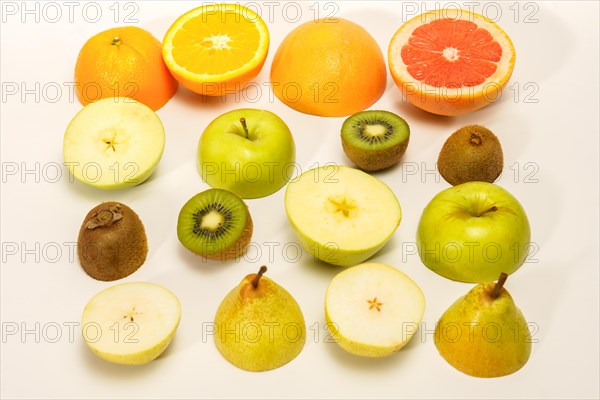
[
  {"x": 375, "y": 139},
  {"x": 328, "y": 67},
  {"x": 373, "y": 310},
  {"x": 216, "y": 49},
  {"x": 215, "y": 224},
  {"x": 112, "y": 242},
  {"x": 341, "y": 215},
  {"x": 451, "y": 61},
  {"x": 114, "y": 143},
  {"x": 131, "y": 323}
]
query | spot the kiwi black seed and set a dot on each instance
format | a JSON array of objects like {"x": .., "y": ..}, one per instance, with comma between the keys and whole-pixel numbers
[
  {"x": 375, "y": 139},
  {"x": 472, "y": 153},
  {"x": 112, "y": 242},
  {"x": 215, "y": 224}
]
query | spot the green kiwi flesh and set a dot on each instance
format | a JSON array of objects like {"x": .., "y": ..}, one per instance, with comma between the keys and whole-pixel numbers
[
  {"x": 472, "y": 153},
  {"x": 112, "y": 242},
  {"x": 215, "y": 224},
  {"x": 375, "y": 139}
]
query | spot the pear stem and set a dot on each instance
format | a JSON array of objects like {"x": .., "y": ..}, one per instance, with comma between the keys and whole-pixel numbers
[
  {"x": 491, "y": 209},
  {"x": 498, "y": 288},
  {"x": 261, "y": 271},
  {"x": 243, "y": 122}
]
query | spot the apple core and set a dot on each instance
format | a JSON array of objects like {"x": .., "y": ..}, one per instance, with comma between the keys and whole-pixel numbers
[
  {"x": 374, "y": 304},
  {"x": 347, "y": 207}
]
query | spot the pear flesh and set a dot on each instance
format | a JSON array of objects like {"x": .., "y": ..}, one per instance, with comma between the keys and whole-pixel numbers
[
  {"x": 484, "y": 334},
  {"x": 258, "y": 325},
  {"x": 373, "y": 309},
  {"x": 131, "y": 323}
]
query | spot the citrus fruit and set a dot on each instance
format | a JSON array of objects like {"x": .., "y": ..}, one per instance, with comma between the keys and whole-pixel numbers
[
  {"x": 123, "y": 62},
  {"x": 216, "y": 49},
  {"x": 451, "y": 61},
  {"x": 330, "y": 69}
]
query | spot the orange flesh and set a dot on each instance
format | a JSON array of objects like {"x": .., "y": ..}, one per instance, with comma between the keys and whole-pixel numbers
[
  {"x": 223, "y": 41},
  {"x": 451, "y": 53}
]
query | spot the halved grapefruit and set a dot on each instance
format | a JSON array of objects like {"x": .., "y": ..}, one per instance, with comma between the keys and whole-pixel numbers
[{"x": 451, "y": 61}]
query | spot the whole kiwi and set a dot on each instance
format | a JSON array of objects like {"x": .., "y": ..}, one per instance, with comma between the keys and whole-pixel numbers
[
  {"x": 472, "y": 153},
  {"x": 112, "y": 242}
]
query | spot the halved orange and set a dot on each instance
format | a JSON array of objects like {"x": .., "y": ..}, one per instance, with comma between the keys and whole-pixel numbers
[
  {"x": 451, "y": 61},
  {"x": 216, "y": 49},
  {"x": 330, "y": 69}
]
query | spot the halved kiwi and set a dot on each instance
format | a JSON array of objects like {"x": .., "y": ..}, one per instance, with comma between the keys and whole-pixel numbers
[
  {"x": 215, "y": 224},
  {"x": 472, "y": 153},
  {"x": 112, "y": 242},
  {"x": 375, "y": 139}
]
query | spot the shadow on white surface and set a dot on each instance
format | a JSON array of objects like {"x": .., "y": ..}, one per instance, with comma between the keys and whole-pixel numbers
[
  {"x": 117, "y": 371},
  {"x": 202, "y": 102},
  {"x": 200, "y": 264},
  {"x": 371, "y": 365}
]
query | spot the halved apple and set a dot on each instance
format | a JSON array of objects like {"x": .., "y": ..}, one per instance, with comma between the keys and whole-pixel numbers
[
  {"x": 131, "y": 323},
  {"x": 341, "y": 215},
  {"x": 373, "y": 309},
  {"x": 114, "y": 143}
]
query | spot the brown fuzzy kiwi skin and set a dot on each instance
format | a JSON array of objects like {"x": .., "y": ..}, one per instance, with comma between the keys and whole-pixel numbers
[
  {"x": 237, "y": 248},
  {"x": 112, "y": 248},
  {"x": 472, "y": 153},
  {"x": 374, "y": 160}
]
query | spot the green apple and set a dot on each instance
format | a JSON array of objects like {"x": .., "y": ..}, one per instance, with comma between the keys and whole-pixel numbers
[
  {"x": 472, "y": 232},
  {"x": 373, "y": 310},
  {"x": 248, "y": 152},
  {"x": 131, "y": 323},
  {"x": 340, "y": 214},
  {"x": 114, "y": 143}
]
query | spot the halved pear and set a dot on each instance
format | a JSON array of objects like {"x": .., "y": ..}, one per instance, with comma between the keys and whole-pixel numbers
[
  {"x": 114, "y": 143},
  {"x": 131, "y": 323},
  {"x": 484, "y": 333},
  {"x": 341, "y": 215},
  {"x": 373, "y": 309},
  {"x": 259, "y": 325}
]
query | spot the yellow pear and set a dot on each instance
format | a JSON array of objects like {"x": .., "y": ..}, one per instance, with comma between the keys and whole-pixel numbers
[
  {"x": 483, "y": 333},
  {"x": 259, "y": 325}
]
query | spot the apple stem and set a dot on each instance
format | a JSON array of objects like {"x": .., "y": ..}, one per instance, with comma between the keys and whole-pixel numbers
[
  {"x": 243, "y": 122},
  {"x": 261, "y": 271},
  {"x": 498, "y": 288},
  {"x": 491, "y": 209},
  {"x": 116, "y": 41}
]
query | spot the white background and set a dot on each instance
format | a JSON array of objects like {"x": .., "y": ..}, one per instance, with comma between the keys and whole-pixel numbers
[{"x": 548, "y": 118}]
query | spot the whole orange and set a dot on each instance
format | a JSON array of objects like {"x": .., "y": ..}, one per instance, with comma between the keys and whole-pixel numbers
[
  {"x": 328, "y": 68},
  {"x": 124, "y": 62}
]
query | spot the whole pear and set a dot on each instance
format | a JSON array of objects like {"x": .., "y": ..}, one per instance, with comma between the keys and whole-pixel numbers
[
  {"x": 259, "y": 326},
  {"x": 483, "y": 333}
]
